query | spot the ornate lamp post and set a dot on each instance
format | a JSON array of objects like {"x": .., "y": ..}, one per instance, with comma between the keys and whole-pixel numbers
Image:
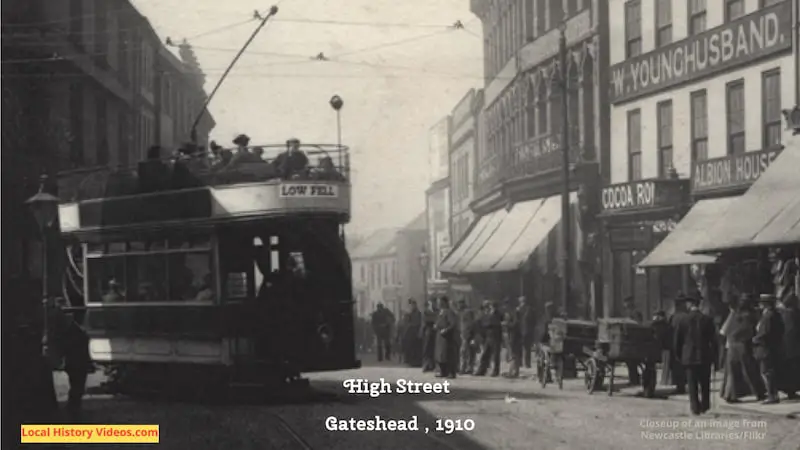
[
  {"x": 336, "y": 103},
  {"x": 44, "y": 207},
  {"x": 424, "y": 260}
]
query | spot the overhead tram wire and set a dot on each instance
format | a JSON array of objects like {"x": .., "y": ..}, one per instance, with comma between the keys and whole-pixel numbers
[{"x": 193, "y": 134}]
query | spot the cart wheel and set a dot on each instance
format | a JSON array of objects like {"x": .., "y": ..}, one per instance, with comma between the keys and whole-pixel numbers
[
  {"x": 542, "y": 369},
  {"x": 560, "y": 371},
  {"x": 594, "y": 375},
  {"x": 649, "y": 381}
]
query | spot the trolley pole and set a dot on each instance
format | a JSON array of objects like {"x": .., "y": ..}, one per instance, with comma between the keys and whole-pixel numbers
[
  {"x": 565, "y": 144},
  {"x": 193, "y": 133}
]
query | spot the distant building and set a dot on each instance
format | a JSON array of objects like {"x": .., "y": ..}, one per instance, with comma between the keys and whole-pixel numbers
[
  {"x": 514, "y": 246},
  {"x": 386, "y": 268},
  {"x": 437, "y": 204},
  {"x": 82, "y": 87}
]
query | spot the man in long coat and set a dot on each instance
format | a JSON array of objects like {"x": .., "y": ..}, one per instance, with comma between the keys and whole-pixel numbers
[
  {"x": 382, "y": 323},
  {"x": 427, "y": 333},
  {"x": 446, "y": 339},
  {"x": 412, "y": 344},
  {"x": 467, "y": 319},
  {"x": 492, "y": 329},
  {"x": 768, "y": 346},
  {"x": 514, "y": 337},
  {"x": 791, "y": 345},
  {"x": 677, "y": 375},
  {"x": 695, "y": 347},
  {"x": 527, "y": 326}
]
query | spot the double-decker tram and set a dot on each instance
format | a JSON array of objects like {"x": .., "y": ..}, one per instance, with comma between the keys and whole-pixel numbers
[{"x": 202, "y": 274}]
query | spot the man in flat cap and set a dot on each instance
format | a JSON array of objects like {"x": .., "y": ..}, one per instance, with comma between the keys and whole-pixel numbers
[
  {"x": 291, "y": 162},
  {"x": 768, "y": 346},
  {"x": 695, "y": 347}
]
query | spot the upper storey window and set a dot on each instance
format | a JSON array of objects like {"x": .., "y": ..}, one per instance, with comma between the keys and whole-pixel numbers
[{"x": 633, "y": 28}]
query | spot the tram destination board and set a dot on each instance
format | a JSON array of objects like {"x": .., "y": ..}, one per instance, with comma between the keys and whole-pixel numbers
[{"x": 299, "y": 190}]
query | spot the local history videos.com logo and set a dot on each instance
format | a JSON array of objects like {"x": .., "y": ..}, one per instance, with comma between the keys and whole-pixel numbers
[{"x": 94, "y": 434}]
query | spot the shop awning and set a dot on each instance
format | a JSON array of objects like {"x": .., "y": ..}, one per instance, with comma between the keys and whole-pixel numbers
[
  {"x": 507, "y": 233},
  {"x": 766, "y": 215},
  {"x": 690, "y": 231},
  {"x": 535, "y": 232},
  {"x": 476, "y": 237}
]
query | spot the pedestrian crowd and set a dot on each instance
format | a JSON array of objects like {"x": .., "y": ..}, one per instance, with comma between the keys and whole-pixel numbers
[
  {"x": 455, "y": 339},
  {"x": 757, "y": 349}
]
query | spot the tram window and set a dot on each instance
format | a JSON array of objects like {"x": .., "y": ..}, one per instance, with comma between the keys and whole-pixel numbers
[
  {"x": 190, "y": 242},
  {"x": 101, "y": 271},
  {"x": 190, "y": 276},
  {"x": 94, "y": 247},
  {"x": 273, "y": 240},
  {"x": 147, "y": 278},
  {"x": 297, "y": 264},
  {"x": 159, "y": 244},
  {"x": 137, "y": 246},
  {"x": 117, "y": 247}
]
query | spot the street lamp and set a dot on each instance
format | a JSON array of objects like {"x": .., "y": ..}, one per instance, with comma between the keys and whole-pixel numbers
[
  {"x": 336, "y": 103},
  {"x": 424, "y": 259},
  {"x": 44, "y": 207}
]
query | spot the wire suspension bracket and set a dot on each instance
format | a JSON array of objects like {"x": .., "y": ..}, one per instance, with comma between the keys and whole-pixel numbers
[{"x": 193, "y": 134}]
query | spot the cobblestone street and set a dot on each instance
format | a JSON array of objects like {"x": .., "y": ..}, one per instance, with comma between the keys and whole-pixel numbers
[{"x": 508, "y": 414}]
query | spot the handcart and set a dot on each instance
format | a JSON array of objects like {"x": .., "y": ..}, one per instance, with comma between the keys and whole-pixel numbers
[
  {"x": 568, "y": 338},
  {"x": 622, "y": 341}
]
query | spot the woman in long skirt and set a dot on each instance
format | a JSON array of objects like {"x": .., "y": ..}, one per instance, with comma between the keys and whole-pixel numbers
[{"x": 741, "y": 376}]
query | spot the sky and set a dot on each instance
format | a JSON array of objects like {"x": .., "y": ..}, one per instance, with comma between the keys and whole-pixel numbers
[{"x": 398, "y": 76}]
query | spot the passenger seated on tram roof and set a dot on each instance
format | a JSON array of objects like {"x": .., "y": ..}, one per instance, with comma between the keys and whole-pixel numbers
[
  {"x": 115, "y": 292},
  {"x": 327, "y": 171},
  {"x": 154, "y": 172},
  {"x": 188, "y": 165},
  {"x": 291, "y": 162}
]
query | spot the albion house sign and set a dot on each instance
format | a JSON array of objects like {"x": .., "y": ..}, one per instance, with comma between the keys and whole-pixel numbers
[
  {"x": 745, "y": 40},
  {"x": 733, "y": 171}
]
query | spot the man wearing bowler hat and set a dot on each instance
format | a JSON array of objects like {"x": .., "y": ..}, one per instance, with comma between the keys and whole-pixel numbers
[
  {"x": 695, "y": 347},
  {"x": 768, "y": 346}
]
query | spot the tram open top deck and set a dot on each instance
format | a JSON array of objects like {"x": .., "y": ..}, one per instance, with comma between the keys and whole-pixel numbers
[{"x": 185, "y": 191}]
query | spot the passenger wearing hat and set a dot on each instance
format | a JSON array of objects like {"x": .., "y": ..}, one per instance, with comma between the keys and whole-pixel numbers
[
  {"x": 695, "y": 346},
  {"x": 115, "y": 292},
  {"x": 241, "y": 141},
  {"x": 769, "y": 346},
  {"x": 293, "y": 161},
  {"x": 446, "y": 340}
]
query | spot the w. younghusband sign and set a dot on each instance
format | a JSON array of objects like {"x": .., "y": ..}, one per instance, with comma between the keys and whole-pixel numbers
[{"x": 749, "y": 38}]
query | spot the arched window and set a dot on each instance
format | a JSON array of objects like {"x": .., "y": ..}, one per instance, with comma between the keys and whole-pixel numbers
[{"x": 542, "y": 114}]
